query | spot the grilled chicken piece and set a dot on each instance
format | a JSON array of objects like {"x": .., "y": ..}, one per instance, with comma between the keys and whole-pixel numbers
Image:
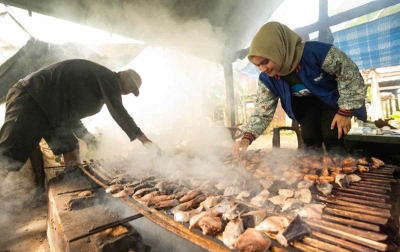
[
  {"x": 286, "y": 193},
  {"x": 327, "y": 161},
  {"x": 273, "y": 224},
  {"x": 349, "y": 169},
  {"x": 144, "y": 191},
  {"x": 354, "y": 177},
  {"x": 336, "y": 169},
  {"x": 232, "y": 231},
  {"x": 222, "y": 206},
  {"x": 114, "y": 188},
  {"x": 208, "y": 222},
  {"x": 291, "y": 204},
  {"x": 363, "y": 161},
  {"x": 211, "y": 201},
  {"x": 211, "y": 225},
  {"x": 120, "y": 194},
  {"x": 305, "y": 184},
  {"x": 167, "y": 203},
  {"x": 190, "y": 195},
  {"x": 325, "y": 188},
  {"x": 150, "y": 195},
  {"x": 234, "y": 212},
  {"x": 324, "y": 172},
  {"x": 232, "y": 191},
  {"x": 311, "y": 177},
  {"x": 313, "y": 211},
  {"x": 349, "y": 162},
  {"x": 252, "y": 241},
  {"x": 155, "y": 199},
  {"x": 122, "y": 179},
  {"x": 266, "y": 184},
  {"x": 277, "y": 200},
  {"x": 303, "y": 194},
  {"x": 362, "y": 168},
  {"x": 261, "y": 199},
  {"x": 243, "y": 196},
  {"x": 377, "y": 161},
  {"x": 185, "y": 216},
  {"x": 325, "y": 179},
  {"x": 253, "y": 218},
  {"x": 375, "y": 165},
  {"x": 296, "y": 230}
]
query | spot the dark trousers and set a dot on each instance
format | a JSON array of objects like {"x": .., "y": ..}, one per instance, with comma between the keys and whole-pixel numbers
[
  {"x": 24, "y": 126},
  {"x": 315, "y": 118}
]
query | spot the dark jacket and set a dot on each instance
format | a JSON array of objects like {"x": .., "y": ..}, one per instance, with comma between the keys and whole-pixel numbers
[{"x": 70, "y": 90}]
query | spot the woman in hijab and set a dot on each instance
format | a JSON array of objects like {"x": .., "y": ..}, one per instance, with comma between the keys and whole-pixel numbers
[{"x": 318, "y": 86}]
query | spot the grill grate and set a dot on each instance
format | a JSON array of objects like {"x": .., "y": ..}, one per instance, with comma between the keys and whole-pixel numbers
[{"x": 354, "y": 219}]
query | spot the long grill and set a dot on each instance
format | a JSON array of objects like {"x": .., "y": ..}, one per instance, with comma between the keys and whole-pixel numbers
[{"x": 360, "y": 217}]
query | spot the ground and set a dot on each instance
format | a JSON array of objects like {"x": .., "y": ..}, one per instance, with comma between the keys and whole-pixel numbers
[{"x": 23, "y": 229}]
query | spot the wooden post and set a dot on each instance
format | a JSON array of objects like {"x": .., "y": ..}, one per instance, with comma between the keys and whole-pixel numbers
[
  {"x": 376, "y": 98},
  {"x": 230, "y": 95},
  {"x": 323, "y": 21}
]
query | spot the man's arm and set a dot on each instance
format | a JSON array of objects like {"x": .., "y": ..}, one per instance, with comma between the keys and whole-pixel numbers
[{"x": 111, "y": 92}]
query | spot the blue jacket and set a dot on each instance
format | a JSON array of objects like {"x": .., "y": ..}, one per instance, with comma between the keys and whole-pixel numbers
[{"x": 314, "y": 78}]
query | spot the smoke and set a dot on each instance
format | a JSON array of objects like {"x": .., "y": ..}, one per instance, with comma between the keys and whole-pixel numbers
[{"x": 163, "y": 23}]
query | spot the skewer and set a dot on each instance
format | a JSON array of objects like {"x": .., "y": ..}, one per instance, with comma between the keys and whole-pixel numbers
[
  {"x": 305, "y": 248},
  {"x": 383, "y": 187},
  {"x": 383, "y": 196},
  {"x": 58, "y": 166},
  {"x": 351, "y": 222},
  {"x": 341, "y": 242},
  {"x": 361, "y": 233},
  {"x": 107, "y": 226},
  {"x": 369, "y": 183},
  {"x": 380, "y": 180},
  {"x": 79, "y": 190},
  {"x": 370, "y": 189},
  {"x": 362, "y": 210},
  {"x": 323, "y": 245},
  {"x": 350, "y": 195},
  {"x": 357, "y": 216},
  {"x": 338, "y": 233},
  {"x": 365, "y": 202}
]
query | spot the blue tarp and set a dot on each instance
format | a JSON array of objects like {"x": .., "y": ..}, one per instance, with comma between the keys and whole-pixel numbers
[{"x": 371, "y": 45}]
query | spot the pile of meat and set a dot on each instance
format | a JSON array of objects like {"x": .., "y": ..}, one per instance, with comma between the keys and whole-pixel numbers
[{"x": 246, "y": 202}]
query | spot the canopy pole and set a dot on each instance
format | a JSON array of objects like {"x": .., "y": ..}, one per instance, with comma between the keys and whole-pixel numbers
[{"x": 229, "y": 94}]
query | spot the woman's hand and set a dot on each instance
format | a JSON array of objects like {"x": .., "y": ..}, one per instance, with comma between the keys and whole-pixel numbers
[
  {"x": 239, "y": 147},
  {"x": 343, "y": 124}
]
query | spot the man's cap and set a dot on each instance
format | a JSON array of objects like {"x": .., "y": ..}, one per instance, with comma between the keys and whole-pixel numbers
[{"x": 135, "y": 81}]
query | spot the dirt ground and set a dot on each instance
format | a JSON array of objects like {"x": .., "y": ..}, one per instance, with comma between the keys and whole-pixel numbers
[{"x": 23, "y": 229}]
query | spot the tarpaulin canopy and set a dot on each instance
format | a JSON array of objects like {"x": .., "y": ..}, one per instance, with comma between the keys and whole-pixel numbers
[
  {"x": 36, "y": 54},
  {"x": 371, "y": 45},
  {"x": 374, "y": 44}
]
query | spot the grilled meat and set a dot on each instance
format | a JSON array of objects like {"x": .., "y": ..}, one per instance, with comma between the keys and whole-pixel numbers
[
  {"x": 252, "y": 241},
  {"x": 232, "y": 231}
]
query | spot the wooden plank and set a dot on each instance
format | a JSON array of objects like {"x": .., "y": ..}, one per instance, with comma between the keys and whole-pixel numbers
[
  {"x": 341, "y": 242},
  {"x": 383, "y": 196},
  {"x": 361, "y": 210},
  {"x": 367, "y": 209},
  {"x": 369, "y": 183},
  {"x": 367, "y": 189},
  {"x": 341, "y": 234},
  {"x": 365, "y": 202},
  {"x": 351, "y": 222},
  {"x": 376, "y": 186},
  {"x": 379, "y": 180},
  {"x": 357, "y": 216},
  {"x": 169, "y": 224},
  {"x": 305, "y": 248},
  {"x": 323, "y": 245},
  {"x": 358, "y": 196},
  {"x": 376, "y": 175},
  {"x": 374, "y": 236}
]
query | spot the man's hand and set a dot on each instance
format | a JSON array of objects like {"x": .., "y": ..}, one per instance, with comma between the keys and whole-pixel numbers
[
  {"x": 152, "y": 147},
  {"x": 239, "y": 147},
  {"x": 343, "y": 124}
]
